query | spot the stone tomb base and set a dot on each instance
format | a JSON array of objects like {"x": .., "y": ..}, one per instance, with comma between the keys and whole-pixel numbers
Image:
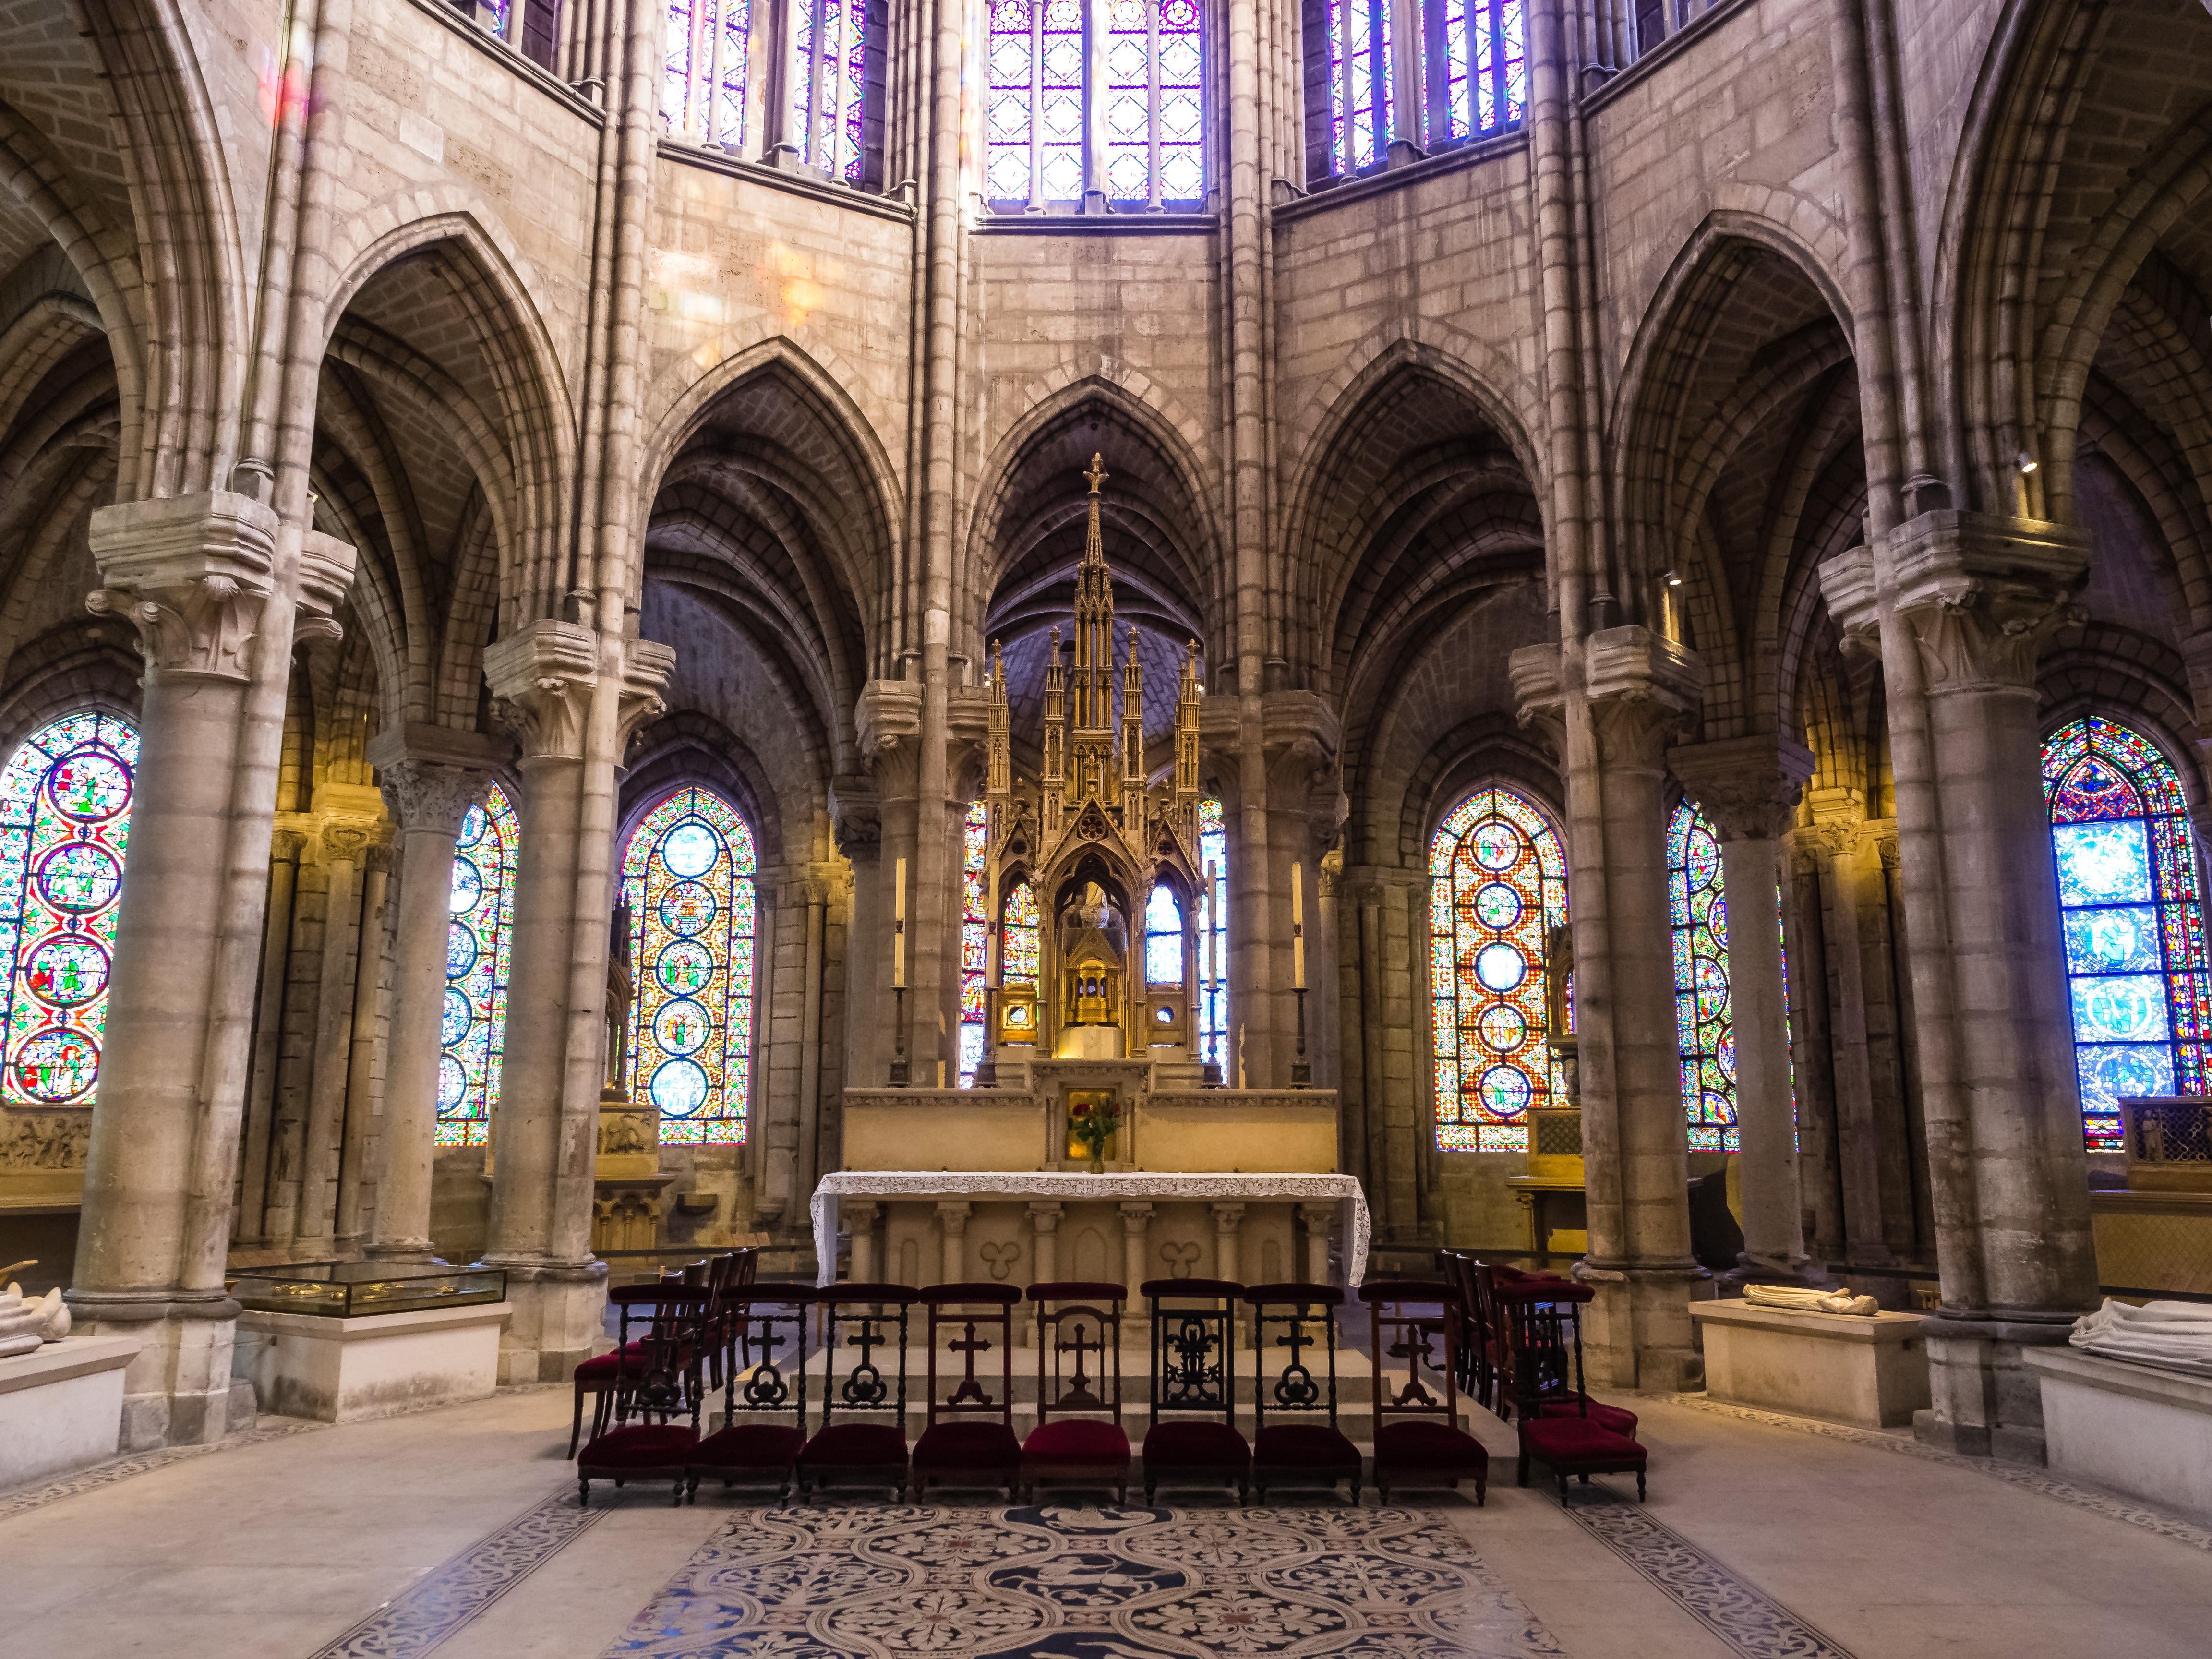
[
  {"x": 346, "y": 1370},
  {"x": 2134, "y": 1428},
  {"x": 61, "y": 1408},
  {"x": 1840, "y": 1367}
]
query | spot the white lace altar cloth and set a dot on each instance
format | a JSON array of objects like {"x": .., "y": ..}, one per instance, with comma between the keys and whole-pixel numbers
[{"x": 1341, "y": 1189}]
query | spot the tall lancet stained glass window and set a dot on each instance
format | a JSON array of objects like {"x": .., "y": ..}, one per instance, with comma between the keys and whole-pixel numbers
[
  {"x": 65, "y": 830},
  {"x": 2132, "y": 914},
  {"x": 1358, "y": 85},
  {"x": 1043, "y": 88},
  {"x": 975, "y": 940},
  {"x": 1214, "y": 939},
  {"x": 828, "y": 84},
  {"x": 688, "y": 882},
  {"x": 1498, "y": 886},
  {"x": 479, "y": 949},
  {"x": 703, "y": 81},
  {"x": 1697, "y": 908},
  {"x": 1474, "y": 68}
]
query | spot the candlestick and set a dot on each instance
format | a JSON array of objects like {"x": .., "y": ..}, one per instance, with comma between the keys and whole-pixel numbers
[
  {"x": 1297, "y": 929},
  {"x": 899, "y": 927}
]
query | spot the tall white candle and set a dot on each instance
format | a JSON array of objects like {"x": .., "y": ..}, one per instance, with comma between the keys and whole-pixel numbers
[
  {"x": 899, "y": 927},
  {"x": 1297, "y": 927}
]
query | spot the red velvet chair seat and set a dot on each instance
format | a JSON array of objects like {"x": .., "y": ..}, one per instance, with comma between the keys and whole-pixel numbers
[
  {"x": 1571, "y": 1444},
  {"x": 959, "y": 1447},
  {"x": 1303, "y": 1446},
  {"x": 1416, "y": 1446},
  {"x": 854, "y": 1445},
  {"x": 1075, "y": 1441},
  {"x": 1195, "y": 1446},
  {"x": 638, "y": 1447},
  {"x": 602, "y": 1368},
  {"x": 1615, "y": 1418},
  {"x": 749, "y": 1446}
]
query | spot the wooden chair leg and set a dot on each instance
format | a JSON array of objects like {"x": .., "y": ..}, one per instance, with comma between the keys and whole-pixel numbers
[{"x": 576, "y": 1428}]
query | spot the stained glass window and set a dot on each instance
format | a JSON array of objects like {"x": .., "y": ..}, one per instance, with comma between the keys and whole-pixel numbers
[
  {"x": 828, "y": 83},
  {"x": 1162, "y": 937},
  {"x": 478, "y": 951},
  {"x": 687, "y": 878},
  {"x": 2133, "y": 920},
  {"x": 1214, "y": 939},
  {"x": 1149, "y": 91},
  {"x": 1017, "y": 964},
  {"x": 1358, "y": 84},
  {"x": 1498, "y": 886},
  {"x": 703, "y": 82},
  {"x": 64, "y": 829},
  {"x": 975, "y": 941},
  {"x": 1697, "y": 907}
]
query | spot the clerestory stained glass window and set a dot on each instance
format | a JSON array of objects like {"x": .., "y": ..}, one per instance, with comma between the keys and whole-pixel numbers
[
  {"x": 703, "y": 82},
  {"x": 1162, "y": 937},
  {"x": 975, "y": 940},
  {"x": 1498, "y": 886},
  {"x": 1697, "y": 906},
  {"x": 479, "y": 950},
  {"x": 1474, "y": 68},
  {"x": 65, "y": 799},
  {"x": 1358, "y": 84},
  {"x": 2132, "y": 914},
  {"x": 828, "y": 84},
  {"x": 1148, "y": 91},
  {"x": 1214, "y": 939},
  {"x": 687, "y": 878}
]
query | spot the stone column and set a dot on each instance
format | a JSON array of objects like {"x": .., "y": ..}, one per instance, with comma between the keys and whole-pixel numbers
[
  {"x": 1136, "y": 1239},
  {"x": 357, "y": 1186},
  {"x": 194, "y": 574},
  {"x": 1319, "y": 1218},
  {"x": 1228, "y": 1220},
  {"x": 1748, "y": 787},
  {"x": 806, "y": 1171},
  {"x": 859, "y": 1221},
  {"x": 1958, "y": 604},
  {"x": 889, "y": 735},
  {"x": 251, "y": 1225},
  {"x": 1611, "y": 718},
  {"x": 952, "y": 1220},
  {"x": 344, "y": 845},
  {"x": 430, "y": 775},
  {"x": 1044, "y": 1222}
]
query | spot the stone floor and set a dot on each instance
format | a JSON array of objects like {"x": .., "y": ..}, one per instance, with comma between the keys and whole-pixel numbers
[{"x": 457, "y": 1531}]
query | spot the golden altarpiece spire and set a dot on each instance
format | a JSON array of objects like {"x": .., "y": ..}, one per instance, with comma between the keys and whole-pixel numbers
[{"x": 1085, "y": 843}]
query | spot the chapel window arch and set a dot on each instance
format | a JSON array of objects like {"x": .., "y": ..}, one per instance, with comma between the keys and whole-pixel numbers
[
  {"x": 65, "y": 801},
  {"x": 687, "y": 884},
  {"x": 479, "y": 952},
  {"x": 1095, "y": 96},
  {"x": 2131, "y": 916},
  {"x": 1498, "y": 886}
]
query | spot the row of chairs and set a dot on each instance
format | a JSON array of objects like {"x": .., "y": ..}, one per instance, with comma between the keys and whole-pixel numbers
[
  {"x": 1521, "y": 1357},
  {"x": 1193, "y": 1436},
  {"x": 696, "y": 1336}
]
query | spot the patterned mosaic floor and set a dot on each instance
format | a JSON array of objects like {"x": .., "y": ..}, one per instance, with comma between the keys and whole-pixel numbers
[{"x": 1073, "y": 1584}]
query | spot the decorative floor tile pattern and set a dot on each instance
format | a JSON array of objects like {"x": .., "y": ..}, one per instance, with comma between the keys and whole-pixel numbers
[
  {"x": 1741, "y": 1615},
  {"x": 2113, "y": 1506},
  {"x": 1074, "y": 1583},
  {"x": 122, "y": 1468},
  {"x": 435, "y": 1605}
]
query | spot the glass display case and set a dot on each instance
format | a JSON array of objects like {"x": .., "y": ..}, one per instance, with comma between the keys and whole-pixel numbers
[{"x": 354, "y": 1290}]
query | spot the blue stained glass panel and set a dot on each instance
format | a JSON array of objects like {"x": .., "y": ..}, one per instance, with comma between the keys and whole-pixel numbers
[
  {"x": 65, "y": 798},
  {"x": 478, "y": 955},
  {"x": 2132, "y": 920},
  {"x": 691, "y": 952},
  {"x": 1214, "y": 939},
  {"x": 1163, "y": 939}
]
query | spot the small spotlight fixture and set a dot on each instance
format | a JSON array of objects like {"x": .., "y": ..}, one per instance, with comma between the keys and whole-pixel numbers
[
  {"x": 2026, "y": 463},
  {"x": 1673, "y": 578}
]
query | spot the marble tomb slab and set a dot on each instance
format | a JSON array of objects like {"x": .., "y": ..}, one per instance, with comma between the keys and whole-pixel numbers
[{"x": 1870, "y": 1371}]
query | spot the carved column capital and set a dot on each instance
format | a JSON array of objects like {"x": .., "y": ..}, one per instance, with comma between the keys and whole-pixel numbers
[
  {"x": 1749, "y": 787},
  {"x": 1135, "y": 1218},
  {"x": 343, "y": 841},
  {"x": 1045, "y": 1216},
  {"x": 1538, "y": 692},
  {"x": 326, "y": 566},
  {"x": 888, "y": 721},
  {"x": 1227, "y": 1218},
  {"x": 857, "y": 818},
  {"x": 432, "y": 775},
  {"x": 1644, "y": 691},
  {"x": 285, "y": 845},
  {"x": 952, "y": 1215},
  {"x": 542, "y": 676},
  {"x": 646, "y": 665},
  {"x": 192, "y": 574}
]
